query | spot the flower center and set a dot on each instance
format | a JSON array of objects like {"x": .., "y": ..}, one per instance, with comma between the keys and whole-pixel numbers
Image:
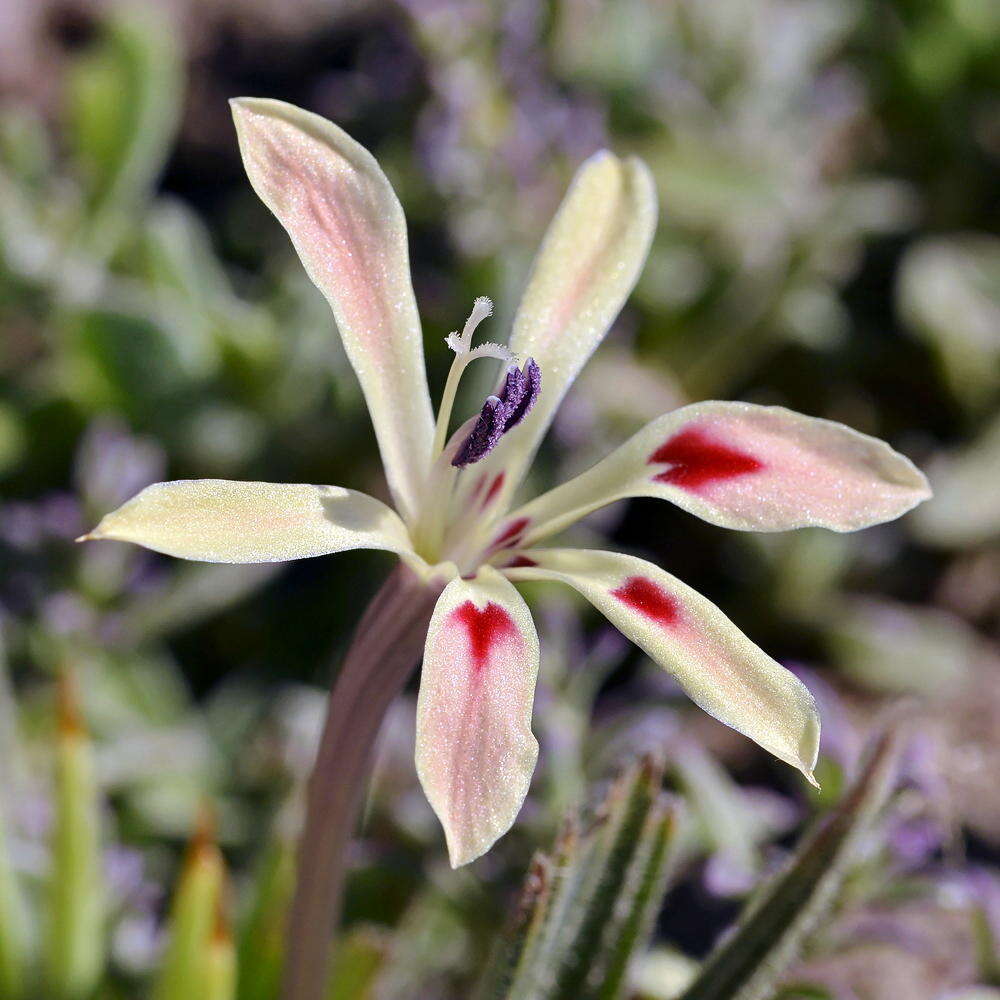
[{"x": 472, "y": 442}]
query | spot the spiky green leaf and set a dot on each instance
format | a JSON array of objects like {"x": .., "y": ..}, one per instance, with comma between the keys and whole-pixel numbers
[{"x": 747, "y": 964}]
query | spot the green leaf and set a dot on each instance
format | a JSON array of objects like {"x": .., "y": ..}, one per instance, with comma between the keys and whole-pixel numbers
[
  {"x": 13, "y": 926},
  {"x": 774, "y": 925},
  {"x": 262, "y": 942},
  {"x": 189, "y": 966},
  {"x": 75, "y": 943},
  {"x": 584, "y": 910},
  {"x": 220, "y": 963},
  {"x": 632, "y": 923},
  {"x": 523, "y": 927},
  {"x": 126, "y": 363},
  {"x": 124, "y": 98},
  {"x": 560, "y": 875},
  {"x": 606, "y": 866},
  {"x": 356, "y": 963}
]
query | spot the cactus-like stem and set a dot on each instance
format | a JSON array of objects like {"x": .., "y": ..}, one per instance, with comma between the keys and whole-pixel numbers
[{"x": 386, "y": 646}]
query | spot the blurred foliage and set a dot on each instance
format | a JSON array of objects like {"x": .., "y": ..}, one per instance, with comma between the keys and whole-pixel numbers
[{"x": 829, "y": 175}]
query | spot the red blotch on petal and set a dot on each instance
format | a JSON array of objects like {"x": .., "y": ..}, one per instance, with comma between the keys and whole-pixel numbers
[
  {"x": 519, "y": 561},
  {"x": 495, "y": 486},
  {"x": 484, "y": 627},
  {"x": 512, "y": 534},
  {"x": 696, "y": 461},
  {"x": 478, "y": 488},
  {"x": 649, "y": 599}
]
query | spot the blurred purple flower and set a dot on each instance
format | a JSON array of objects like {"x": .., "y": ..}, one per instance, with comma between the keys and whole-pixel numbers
[
  {"x": 65, "y": 613},
  {"x": 113, "y": 465},
  {"x": 916, "y": 840},
  {"x": 21, "y": 526}
]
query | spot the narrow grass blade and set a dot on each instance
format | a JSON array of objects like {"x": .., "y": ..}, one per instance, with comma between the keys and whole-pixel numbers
[
  {"x": 522, "y": 928},
  {"x": 13, "y": 926},
  {"x": 220, "y": 961},
  {"x": 193, "y": 922},
  {"x": 532, "y": 972},
  {"x": 585, "y": 909},
  {"x": 75, "y": 944},
  {"x": 262, "y": 941}
]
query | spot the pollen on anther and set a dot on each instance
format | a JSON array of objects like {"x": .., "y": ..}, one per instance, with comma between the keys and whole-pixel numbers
[{"x": 501, "y": 413}]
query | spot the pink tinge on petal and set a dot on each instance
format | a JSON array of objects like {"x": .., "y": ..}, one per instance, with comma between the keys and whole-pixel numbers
[
  {"x": 485, "y": 628},
  {"x": 697, "y": 461},
  {"x": 512, "y": 534},
  {"x": 323, "y": 208},
  {"x": 650, "y": 600}
]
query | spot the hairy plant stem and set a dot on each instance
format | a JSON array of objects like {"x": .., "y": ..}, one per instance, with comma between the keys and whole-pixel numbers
[{"x": 386, "y": 646}]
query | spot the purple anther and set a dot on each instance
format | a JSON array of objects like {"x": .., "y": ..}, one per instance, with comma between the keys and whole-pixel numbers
[
  {"x": 484, "y": 435},
  {"x": 501, "y": 413},
  {"x": 520, "y": 392}
]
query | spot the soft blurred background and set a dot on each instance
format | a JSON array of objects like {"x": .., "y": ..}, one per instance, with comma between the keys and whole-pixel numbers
[{"x": 829, "y": 177}]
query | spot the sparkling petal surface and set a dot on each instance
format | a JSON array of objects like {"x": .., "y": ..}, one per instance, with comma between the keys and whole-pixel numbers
[
  {"x": 738, "y": 465},
  {"x": 475, "y": 750},
  {"x": 349, "y": 231},
  {"x": 716, "y": 664},
  {"x": 587, "y": 266},
  {"x": 216, "y": 520}
]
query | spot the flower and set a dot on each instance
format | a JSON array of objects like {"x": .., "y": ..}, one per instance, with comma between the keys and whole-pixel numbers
[{"x": 754, "y": 468}]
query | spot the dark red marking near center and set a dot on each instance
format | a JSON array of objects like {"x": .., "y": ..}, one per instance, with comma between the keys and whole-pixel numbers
[
  {"x": 512, "y": 534},
  {"x": 491, "y": 493},
  {"x": 697, "y": 461},
  {"x": 649, "y": 599},
  {"x": 485, "y": 627},
  {"x": 520, "y": 561},
  {"x": 477, "y": 489}
]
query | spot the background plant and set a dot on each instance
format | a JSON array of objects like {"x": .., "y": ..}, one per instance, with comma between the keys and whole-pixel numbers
[{"x": 829, "y": 178}]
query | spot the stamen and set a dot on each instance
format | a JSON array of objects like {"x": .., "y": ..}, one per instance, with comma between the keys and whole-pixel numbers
[
  {"x": 485, "y": 435},
  {"x": 521, "y": 392},
  {"x": 501, "y": 413},
  {"x": 478, "y": 436}
]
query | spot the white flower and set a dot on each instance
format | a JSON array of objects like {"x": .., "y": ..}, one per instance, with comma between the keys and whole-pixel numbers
[{"x": 738, "y": 465}]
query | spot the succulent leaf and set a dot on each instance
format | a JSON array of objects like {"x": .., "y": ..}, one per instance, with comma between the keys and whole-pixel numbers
[
  {"x": 585, "y": 909},
  {"x": 748, "y": 963}
]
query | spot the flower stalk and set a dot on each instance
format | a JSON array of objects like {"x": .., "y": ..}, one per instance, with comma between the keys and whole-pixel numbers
[{"x": 387, "y": 644}]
